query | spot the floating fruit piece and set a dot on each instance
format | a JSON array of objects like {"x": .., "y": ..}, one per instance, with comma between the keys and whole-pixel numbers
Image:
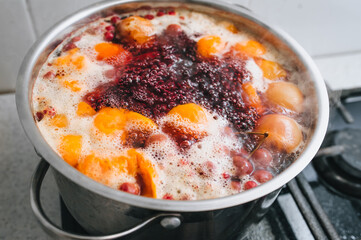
[
  {"x": 132, "y": 162},
  {"x": 251, "y": 48},
  {"x": 148, "y": 174},
  {"x": 230, "y": 27},
  {"x": 262, "y": 157},
  {"x": 139, "y": 122},
  {"x": 109, "y": 120},
  {"x": 136, "y": 28},
  {"x": 285, "y": 94},
  {"x": 190, "y": 113},
  {"x": 209, "y": 45},
  {"x": 107, "y": 50},
  {"x": 92, "y": 167},
  {"x": 70, "y": 148},
  {"x": 252, "y": 97},
  {"x": 103, "y": 169},
  {"x": 131, "y": 188},
  {"x": 59, "y": 120},
  {"x": 85, "y": 109},
  {"x": 249, "y": 185},
  {"x": 112, "y": 53},
  {"x": 70, "y": 60},
  {"x": 283, "y": 132},
  {"x": 156, "y": 139},
  {"x": 271, "y": 70},
  {"x": 262, "y": 176},
  {"x": 72, "y": 85}
]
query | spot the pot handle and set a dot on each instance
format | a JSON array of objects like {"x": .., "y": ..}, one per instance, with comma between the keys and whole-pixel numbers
[{"x": 167, "y": 220}]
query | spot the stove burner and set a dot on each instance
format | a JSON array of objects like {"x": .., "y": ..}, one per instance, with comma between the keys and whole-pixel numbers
[{"x": 342, "y": 172}]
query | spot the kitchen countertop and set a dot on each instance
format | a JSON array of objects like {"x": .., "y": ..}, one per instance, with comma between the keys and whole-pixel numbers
[{"x": 18, "y": 159}]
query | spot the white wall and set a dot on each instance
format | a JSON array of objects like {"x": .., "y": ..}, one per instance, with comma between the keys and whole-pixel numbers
[{"x": 328, "y": 29}]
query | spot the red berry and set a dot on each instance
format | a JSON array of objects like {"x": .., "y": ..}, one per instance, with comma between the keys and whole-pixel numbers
[
  {"x": 174, "y": 29},
  {"x": 39, "y": 116},
  {"x": 149, "y": 16},
  {"x": 159, "y": 14},
  {"x": 69, "y": 46},
  {"x": 262, "y": 176},
  {"x": 181, "y": 17},
  {"x": 262, "y": 157},
  {"x": 171, "y": 12},
  {"x": 243, "y": 165},
  {"x": 76, "y": 39},
  {"x": 114, "y": 19},
  {"x": 110, "y": 28},
  {"x": 168, "y": 196},
  {"x": 108, "y": 36},
  {"x": 250, "y": 184},
  {"x": 226, "y": 175},
  {"x": 49, "y": 75},
  {"x": 131, "y": 188}
]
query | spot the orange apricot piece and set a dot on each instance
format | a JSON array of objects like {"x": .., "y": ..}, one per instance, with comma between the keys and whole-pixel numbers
[
  {"x": 285, "y": 94},
  {"x": 70, "y": 148},
  {"x": 140, "y": 122},
  {"x": 72, "y": 85},
  {"x": 109, "y": 120},
  {"x": 271, "y": 70},
  {"x": 251, "y": 48},
  {"x": 190, "y": 112},
  {"x": 229, "y": 26},
  {"x": 136, "y": 28},
  {"x": 148, "y": 174},
  {"x": 209, "y": 45},
  {"x": 283, "y": 132},
  {"x": 70, "y": 60},
  {"x": 107, "y": 50},
  {"x": 252, "y": 97},
  {"x": 92, "y": 167},
  {"x": 85, "y": 109},
  {"x": 59, "y": 120}
]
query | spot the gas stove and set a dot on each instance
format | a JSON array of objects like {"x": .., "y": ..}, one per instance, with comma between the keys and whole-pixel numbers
[{"x": 324, "y": 201}]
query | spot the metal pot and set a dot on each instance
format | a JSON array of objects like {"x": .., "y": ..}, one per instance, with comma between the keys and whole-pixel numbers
[{"x": 102, "y": 210}]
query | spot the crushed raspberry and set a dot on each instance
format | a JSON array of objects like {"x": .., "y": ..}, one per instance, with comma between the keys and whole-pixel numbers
[
  {"x": 110, "y": 28},
  {"x": 171, "y": 13}
]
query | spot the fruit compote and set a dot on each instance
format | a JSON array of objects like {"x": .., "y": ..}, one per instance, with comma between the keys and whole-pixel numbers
[{"x": 170, "y": 104}]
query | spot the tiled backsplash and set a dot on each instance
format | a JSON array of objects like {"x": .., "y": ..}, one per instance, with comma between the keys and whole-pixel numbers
[{"x": 322, "y": 27}]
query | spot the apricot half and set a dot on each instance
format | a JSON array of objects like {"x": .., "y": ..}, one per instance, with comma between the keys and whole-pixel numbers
[
  {"x": 59, "y": 120},
  {"x": 139, "y": 122},
  {"x": 70, "y": 148},
  {"x": 251, "y": 48},
  {"x": 109, "y": 120},
  {"x": 271, "y": 70},
  {"x": 190, "y": 113},
  {"x": 136, "y": 28},
  {"x": 283, "y": 132},
  {"x": 209, "y": 45},
  {"x": 85, "y": 109},
  {"x": 285, "y": 94}
]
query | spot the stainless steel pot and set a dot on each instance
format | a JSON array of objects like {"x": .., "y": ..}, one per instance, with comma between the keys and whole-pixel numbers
[{"x": 102, "y": 210}]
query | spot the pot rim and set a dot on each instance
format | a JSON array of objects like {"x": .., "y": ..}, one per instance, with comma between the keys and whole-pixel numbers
[{"x": 23, "y": 102}]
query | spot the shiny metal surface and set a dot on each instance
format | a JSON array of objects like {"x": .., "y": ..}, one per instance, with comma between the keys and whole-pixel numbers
[{"x": 92, "y": 203}]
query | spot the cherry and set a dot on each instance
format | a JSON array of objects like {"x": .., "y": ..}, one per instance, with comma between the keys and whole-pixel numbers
[
  {"x": 149, "y": 16},
  {"x": 110, "y": 28},
  {"x": 160, "y": 13},
  {"x": 156, "y": 138},
  {"x": 243, "y": 165},
  {"x": 114, "y": 19},
  {"x": 250, "y": 184},
  {"x": 131, "y": 188},
  {"x": 171, "y": 12},
  {"x": 262, "y": 157},
  {"x": 262, "y": 176},
  {"x": 108, "y": 36}
]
